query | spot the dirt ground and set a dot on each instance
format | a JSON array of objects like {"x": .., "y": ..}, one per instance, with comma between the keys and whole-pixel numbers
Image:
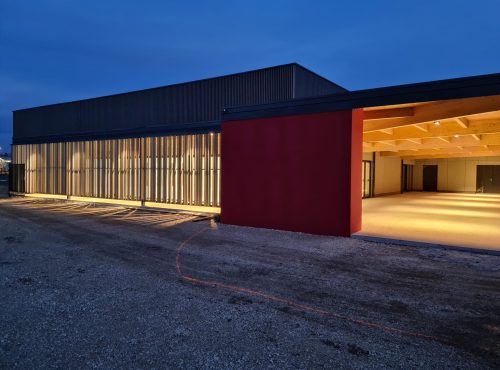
[{"x": 86, "y": 286}]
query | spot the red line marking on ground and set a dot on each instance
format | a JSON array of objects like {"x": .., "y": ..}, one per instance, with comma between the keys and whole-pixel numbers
[{"x": 288, "y": 302}]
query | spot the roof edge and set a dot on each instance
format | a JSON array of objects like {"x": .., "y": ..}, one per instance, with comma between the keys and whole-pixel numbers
[
  {"x": 164, "y": 86},
  {"x": 320, "y": 76},
  {"x": 146, "y": 131},
  {"x": 455, "y": 88}
]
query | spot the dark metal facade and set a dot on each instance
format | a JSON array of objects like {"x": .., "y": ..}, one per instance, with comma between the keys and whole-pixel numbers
[
  {"x": 308, "y": 84},
  {"x": 191, "y": 107},
  {"x": 456, "y": 88}
]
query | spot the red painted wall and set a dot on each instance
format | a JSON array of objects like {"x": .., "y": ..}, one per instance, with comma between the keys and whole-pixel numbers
[
  {"x": 356, "y": 168},
  {"x": 293, "y": 173}
]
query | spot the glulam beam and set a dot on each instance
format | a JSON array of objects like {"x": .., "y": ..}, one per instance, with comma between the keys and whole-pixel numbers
[{"x": 437, "y": 111}]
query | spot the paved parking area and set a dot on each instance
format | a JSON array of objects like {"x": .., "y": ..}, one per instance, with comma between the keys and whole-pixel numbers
[
  {"x": 457, "y": 219},
  {"x": 88, "y": 286}
]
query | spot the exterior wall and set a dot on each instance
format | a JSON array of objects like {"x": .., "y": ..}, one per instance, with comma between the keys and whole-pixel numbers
[
  {"x": 355, "y": 139},
  {"x": 191, "y": 107},
  {"x": 308, "y": 83},
  {"x": 180, "y": 104},
  {"x": 297, "y": 173},
  {"x": 170, "y": 169},
  {"x": 454, "y": 174},
  {"x": 387, "y": 175}
]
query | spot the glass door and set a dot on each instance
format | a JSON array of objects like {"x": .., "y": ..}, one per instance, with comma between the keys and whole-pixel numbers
[{"x": 366, "y": 178}]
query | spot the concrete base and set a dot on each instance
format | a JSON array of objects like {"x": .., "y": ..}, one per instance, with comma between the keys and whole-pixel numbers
[{"x": 456, "y": 219}]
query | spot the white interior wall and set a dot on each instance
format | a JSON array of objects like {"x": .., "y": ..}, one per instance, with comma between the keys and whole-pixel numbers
[
  {"x": 387, "y": 175},
  {"x": 454, "y": 174}
]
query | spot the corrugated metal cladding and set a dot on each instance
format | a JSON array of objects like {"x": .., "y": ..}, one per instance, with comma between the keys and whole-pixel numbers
[
  {"x": 169, "y": 169},
  {"x": 309, "y": 84},
  {"x": 174, "y": 105}
]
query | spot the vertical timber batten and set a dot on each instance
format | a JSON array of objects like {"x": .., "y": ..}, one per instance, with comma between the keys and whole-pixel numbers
[{"x": 165, "y": 169}]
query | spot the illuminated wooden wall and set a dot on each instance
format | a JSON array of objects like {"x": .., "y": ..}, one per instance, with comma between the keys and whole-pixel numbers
[{"x": 170, "y": 169}]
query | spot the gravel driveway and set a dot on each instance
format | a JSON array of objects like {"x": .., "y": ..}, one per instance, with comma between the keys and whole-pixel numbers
[{"x": 86, "y": 286}]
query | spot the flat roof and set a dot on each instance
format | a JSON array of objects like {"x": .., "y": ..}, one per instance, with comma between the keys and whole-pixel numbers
[{"x": 455, "y": 88}]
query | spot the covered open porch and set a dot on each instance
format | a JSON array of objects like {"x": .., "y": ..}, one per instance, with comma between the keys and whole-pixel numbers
[
  {"x": 431, "y": 172},
  {"x": 453, "y": 219}
]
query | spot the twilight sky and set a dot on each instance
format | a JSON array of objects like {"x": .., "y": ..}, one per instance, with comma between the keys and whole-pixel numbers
[{"x": 60, "y": 50}]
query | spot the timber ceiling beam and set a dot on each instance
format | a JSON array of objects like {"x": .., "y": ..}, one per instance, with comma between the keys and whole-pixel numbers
[
  {"x": 436, "y": 111},
  {"x": 443, "y": 151},
  {"x": 453, "y": 155},
  {"x": 444, "y": 129},
  {"x": 423, "y": 127},
  {"x": 462, "y": 122},
  {"x": 433, "y": 143},
  {"x": 388, "y": 113}
]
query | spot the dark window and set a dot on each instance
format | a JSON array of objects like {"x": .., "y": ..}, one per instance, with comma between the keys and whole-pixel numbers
[{"x": 488, "y": 179}]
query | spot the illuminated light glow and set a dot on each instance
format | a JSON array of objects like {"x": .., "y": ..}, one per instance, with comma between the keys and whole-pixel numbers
[
  {"x": 167, "y": 169},
  {"x": 455, "y": 136},
  {"x": 182, "y": 207},
  {"x": 133, "y": 203},
  {"x": 437, "y": 123},
  {"x": 297, "y": 305},
  {"x": 466, "y": 220},
  {"x": 44, "y": 196}
]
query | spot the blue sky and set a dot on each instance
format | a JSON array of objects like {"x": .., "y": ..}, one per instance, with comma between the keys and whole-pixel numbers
[{"x": 54, "y": 50}]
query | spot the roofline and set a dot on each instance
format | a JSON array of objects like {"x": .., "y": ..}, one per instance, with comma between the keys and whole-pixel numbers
[
  {"x": 146, "y": 131},
  {"x": 172, "y": 85},
  {"x": 321, "y": 77},
  {"x": 455, "y": 88}
]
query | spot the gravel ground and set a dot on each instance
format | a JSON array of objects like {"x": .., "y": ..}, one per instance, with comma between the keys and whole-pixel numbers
[{"x": 85, "y": 286}]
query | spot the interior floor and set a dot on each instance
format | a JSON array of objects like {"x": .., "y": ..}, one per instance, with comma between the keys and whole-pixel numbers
[{"x": 458, "y": 219}]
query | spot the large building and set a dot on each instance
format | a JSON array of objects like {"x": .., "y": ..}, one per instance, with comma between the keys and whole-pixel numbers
[
  {"x": 160, "y": 145},
  {"x": 279, "y": 147}
]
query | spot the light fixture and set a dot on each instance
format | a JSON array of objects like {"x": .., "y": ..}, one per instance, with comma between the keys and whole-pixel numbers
[
  {"x": 455, "y": 136},
  {"x": 437, "y": 123}
]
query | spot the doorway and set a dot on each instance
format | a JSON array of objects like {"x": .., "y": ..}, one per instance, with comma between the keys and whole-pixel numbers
[
  {"x": 406, "y": 178},
  {"x": 430, "y": 177},
  {"x": 367, "y": 179},
  {"x": 488, "y": 179},
  {"x": 17, "y": 180}
]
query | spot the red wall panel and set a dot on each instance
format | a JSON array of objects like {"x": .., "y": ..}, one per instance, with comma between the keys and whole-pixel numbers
[
  {"x": 293, "y": 173},
  {"x": 356, "y": 168}
]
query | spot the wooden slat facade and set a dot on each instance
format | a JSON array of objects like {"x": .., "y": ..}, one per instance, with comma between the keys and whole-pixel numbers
[{"x": 168, "y": 169}]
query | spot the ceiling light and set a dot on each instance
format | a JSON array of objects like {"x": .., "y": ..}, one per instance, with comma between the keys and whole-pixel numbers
[{"x": 437, "y": 123}]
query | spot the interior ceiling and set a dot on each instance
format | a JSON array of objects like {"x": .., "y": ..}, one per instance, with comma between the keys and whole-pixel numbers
[{"x": 436, "y": 129}]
